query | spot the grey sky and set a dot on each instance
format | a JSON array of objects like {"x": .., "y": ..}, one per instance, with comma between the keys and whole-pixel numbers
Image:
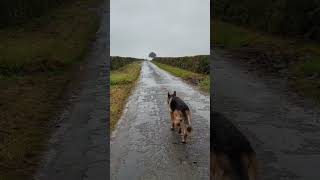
[{"x": 167, "y": 27}]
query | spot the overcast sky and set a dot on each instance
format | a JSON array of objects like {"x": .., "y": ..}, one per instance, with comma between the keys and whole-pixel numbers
[{"x": 167, "y": 27}]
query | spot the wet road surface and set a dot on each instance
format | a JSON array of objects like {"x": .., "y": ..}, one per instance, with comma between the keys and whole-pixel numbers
[
  {"x": 143, "y": 146},
  {"x": 78, "y": 148},
  {"x": 283, "y": 129}
]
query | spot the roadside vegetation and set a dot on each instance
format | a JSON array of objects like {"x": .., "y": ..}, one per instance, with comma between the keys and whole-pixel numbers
[
  {"x": 295, "y": 59},
  {"x": 14, "y": 12},
  {"x": 286, "y": 18},
  {"x": 36, "y": 58},
  {"x": 198, "y": 64},
  {"x": 118, "y": 62},
  {"x": 194, "y": 70},
  {"x": 122, "y": 81},
  {"x": 281, "y": 36}
]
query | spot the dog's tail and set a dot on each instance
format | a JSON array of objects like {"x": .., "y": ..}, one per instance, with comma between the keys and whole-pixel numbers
[{"x": 187, "y": 116}]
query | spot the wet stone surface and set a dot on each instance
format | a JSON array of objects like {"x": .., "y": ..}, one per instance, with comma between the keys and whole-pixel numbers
[{"x": 144, "y": 147}]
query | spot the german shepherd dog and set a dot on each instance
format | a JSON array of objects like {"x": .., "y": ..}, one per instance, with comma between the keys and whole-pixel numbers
[
  {"x": 180, "y": 115},
  {"x": 233, "y": 156}
]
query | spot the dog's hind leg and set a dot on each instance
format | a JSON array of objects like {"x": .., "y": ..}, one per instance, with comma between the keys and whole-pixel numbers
[
  {"x": 183, "y": 134},
  {"x": 250, "y": 163},
  {"x": 189, "y": 128},
  {"x": 183, "y": 139},
  {"x": 216, "y": 168},
  {"x": 171, "y": 118},
  {"x": 222, "y": 168}
]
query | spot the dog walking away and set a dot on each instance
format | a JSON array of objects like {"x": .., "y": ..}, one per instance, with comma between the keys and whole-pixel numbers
[
  {"x": 180, "y": 116},
  {"x": 233, "y": 158}
]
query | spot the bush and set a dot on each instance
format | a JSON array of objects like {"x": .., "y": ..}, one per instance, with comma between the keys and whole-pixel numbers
[
  {"x": 294, "y": 18},
  {"x": 197, "y": 64},
  {"x": 118, "y": 62},
  {"x": 19, "y": 11}
]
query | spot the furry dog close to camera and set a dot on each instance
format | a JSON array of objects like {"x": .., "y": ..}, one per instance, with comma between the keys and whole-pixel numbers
[
  {"x": 180, "y": 115},
  {"x": 233, "y": 156}
]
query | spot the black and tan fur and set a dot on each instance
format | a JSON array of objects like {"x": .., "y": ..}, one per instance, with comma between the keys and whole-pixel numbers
[
  {"x": 180, "y": 116},
  {"x": 233, "y": 158}
]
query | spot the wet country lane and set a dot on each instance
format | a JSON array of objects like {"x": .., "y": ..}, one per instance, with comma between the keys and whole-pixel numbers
[{"x": 143, "y": 147}]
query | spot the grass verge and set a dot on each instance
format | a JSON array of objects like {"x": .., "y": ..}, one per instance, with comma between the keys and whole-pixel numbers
[
  {"x": 122, "y": 82},
  {"x": 26, "y": 104},
  {"x": 200, "y": 80},
  {"x": 35, "y": 66},
  {"x": 299, "y": 59},
  {"x": 50, "y": 42}
]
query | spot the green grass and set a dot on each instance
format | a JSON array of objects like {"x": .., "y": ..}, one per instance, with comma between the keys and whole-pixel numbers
[
  {"x": 201, "y": 80},
  {"x": 27, "y": 104},
  {"x": 306, "y": 69},
  {"x": 35, "y": 67},
  {"x": 307, "y": 81},
  {"x": 126, "y": 74},
  {"x": 50, "y": 42},
  {"x": 229, "y": 35},
  {"x": 233, "y": 36},
  {"x": 122, "y": 82},
  {"x": 306, "y": 54}
]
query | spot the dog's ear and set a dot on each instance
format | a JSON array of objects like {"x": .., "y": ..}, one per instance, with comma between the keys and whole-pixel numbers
[
  {"x": 174, "y": 93},
  {"x": 168, "y": 94}
]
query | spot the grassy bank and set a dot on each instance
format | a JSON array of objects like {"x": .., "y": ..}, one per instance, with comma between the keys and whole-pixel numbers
[
  {"x": 200, "y": 80},
  {"x": 35, "y": 66},
  {"x": 122, "y": 82},
  {"x": 299, "y": 59}
]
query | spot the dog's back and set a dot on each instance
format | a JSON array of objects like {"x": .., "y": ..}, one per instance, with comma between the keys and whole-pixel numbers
[
  {"x": 178, "y": 104},
  {"x": 233, "y": 156}
]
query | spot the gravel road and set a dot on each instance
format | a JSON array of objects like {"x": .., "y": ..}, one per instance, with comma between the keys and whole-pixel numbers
[
  {"x": 143, "y": 146},
  {"x": 284, "y": 129}
]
